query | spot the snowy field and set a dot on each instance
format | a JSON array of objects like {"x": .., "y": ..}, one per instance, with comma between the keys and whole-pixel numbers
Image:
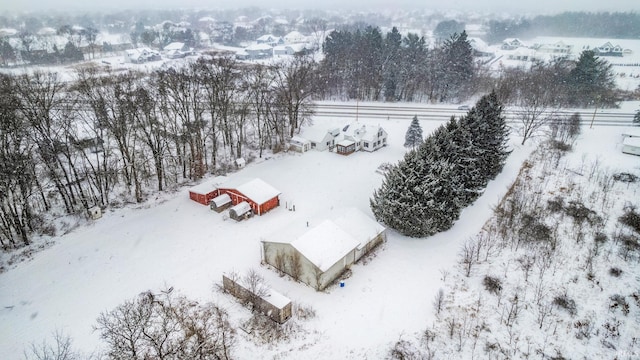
[{"x": 173, "y": 241}]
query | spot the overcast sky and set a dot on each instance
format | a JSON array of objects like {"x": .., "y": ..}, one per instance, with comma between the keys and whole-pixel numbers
[{"x": 530, "y": 6}]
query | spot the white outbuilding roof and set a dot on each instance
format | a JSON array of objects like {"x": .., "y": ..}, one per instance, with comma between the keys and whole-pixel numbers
[
  {"x": 241, "y": 208},
  {"x": 258, "y": 190},
  {"x": 221, "y": 200},
  {"x": 360, "y": 226},
  {"x": 209, "y": 185},
  {"x": 325, "y": 244}
]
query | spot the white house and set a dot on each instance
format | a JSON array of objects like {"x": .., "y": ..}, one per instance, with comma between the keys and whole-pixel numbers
[
  {"x": 141, "y": 55},
  {"x": 320, "y": 139},
  {"x": 176, "y": 50},
  {"x": 259, "y": 51},
  {"x": 270, "y": 40},
  {"x": 317, "y": 255},
  {"x": 511, "y": 44},
  {"x": 295, "y": 37},
  {"x": 366, "y": 137}
]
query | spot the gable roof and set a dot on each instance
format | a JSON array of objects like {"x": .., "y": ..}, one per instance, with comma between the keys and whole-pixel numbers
[
  {"x": 258, "y": 191},
  {"x": 360, "y": 226},
  {"x": 325, "y": 244},
  {"x": 209, "y": 185},
  {"x": 316, "y": 134},
  {"x": 174, "y": 46}
]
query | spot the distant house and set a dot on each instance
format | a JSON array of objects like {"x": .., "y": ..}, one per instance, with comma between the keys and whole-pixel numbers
[
  {"x": 259, "y": 51},
  {"x": 557, "y": 48},
  {"x": 289, "y": 49},
  {"x": 141, "y": 55},
  {"x": 608, "y": 49},
  {"x": 480, "y": 48},
  {"x": 318, "y": 255},
  {"x": 365, "y": 137},
  {"x": 176, "y": 50},
  {"x": 511, "y": 44},
  {"x": 295, "y": 37},
  {"x": 270, "y": 40}
]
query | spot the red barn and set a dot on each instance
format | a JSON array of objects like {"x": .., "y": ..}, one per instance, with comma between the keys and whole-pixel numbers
[
  {"x": 203, "y": 193},
  {"x": 261, "y": 196}
]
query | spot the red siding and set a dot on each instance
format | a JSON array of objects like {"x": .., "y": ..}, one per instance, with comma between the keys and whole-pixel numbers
[
  {"x": 203, "y": 198},
  {"x": 259, "y": 209}
]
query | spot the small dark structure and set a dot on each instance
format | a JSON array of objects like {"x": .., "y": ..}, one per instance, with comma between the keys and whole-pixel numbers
[
  {"x": 273, "y": 304},
  {"x": 220, "y": 203}
]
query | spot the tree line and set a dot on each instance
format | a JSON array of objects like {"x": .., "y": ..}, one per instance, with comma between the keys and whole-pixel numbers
[
  {"x": 617, "y": 25},
  {"x": 109, "y": 138},
  {"x": 364, "y": 64}
]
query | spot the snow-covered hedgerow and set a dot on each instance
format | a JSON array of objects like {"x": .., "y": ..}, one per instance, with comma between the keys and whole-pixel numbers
[{"x": 553, "y": 274}]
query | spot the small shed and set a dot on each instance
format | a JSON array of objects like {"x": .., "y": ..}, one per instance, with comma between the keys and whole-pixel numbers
[
  {"x": 95, "y": 213},
  {"x": 299, "y": 144},
  {"x": 240, "y": 163},
  {"x": 631, "y": 145},
  {"x": 345, "y": 147},
  {"x": 240, "y": 211},
  {"x": 270, "y": 303},
  {"x": 220, "y": 203}
]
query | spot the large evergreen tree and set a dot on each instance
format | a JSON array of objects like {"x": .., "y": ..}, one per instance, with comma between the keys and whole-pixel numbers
[
  {"x": 591, "y": 82},
  {"x": 413, "y": 137},
  {"x": 425, "y": 192}
]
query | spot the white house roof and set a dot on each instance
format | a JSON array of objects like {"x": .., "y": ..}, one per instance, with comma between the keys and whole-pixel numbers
[
  {"x": 209, "y": 185},
  {"x": 221, "y": 200},
  {"x": 258, "y": 47},
  {"x": 174, "y": 46},
  {"x": 258, "y": 190},
  {"x": 275, "y": 298},
  {"x": 295, "y": 36},
  {"x": 316, "y": 134},
  {"x": 357, "y": 224},
  {"x": 325, "y": 244}
]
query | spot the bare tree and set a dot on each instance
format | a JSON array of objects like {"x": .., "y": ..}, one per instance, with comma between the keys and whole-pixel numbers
[
  {"x": 438, "y": 301},
  {"x": 61, "y": 349},
  {"x": 164, "y": 326},
  {"x": 256, "y": 288}
]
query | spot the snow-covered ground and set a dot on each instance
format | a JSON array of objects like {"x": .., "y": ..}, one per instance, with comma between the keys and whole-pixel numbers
[{"x": 173, "y": 241}]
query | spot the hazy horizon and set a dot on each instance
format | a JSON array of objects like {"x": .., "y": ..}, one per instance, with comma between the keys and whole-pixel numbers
[{"x": 496, "y": 6}]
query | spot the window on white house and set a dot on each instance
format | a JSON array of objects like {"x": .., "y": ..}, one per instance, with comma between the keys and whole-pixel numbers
[{"x": 366, "y": 144}]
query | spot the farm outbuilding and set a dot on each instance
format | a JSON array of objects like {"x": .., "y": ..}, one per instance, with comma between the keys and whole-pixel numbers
[
  {"x": 270, "y": 302},
  {"x": 206, "y": 191},
  {"x": 318, "y": 255},
  {"x": 260, "y": 196},
  {"x": 220, "y": 203},
  {"x": 240, "y": 211},
  {"x": 299, "y": 144}
]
